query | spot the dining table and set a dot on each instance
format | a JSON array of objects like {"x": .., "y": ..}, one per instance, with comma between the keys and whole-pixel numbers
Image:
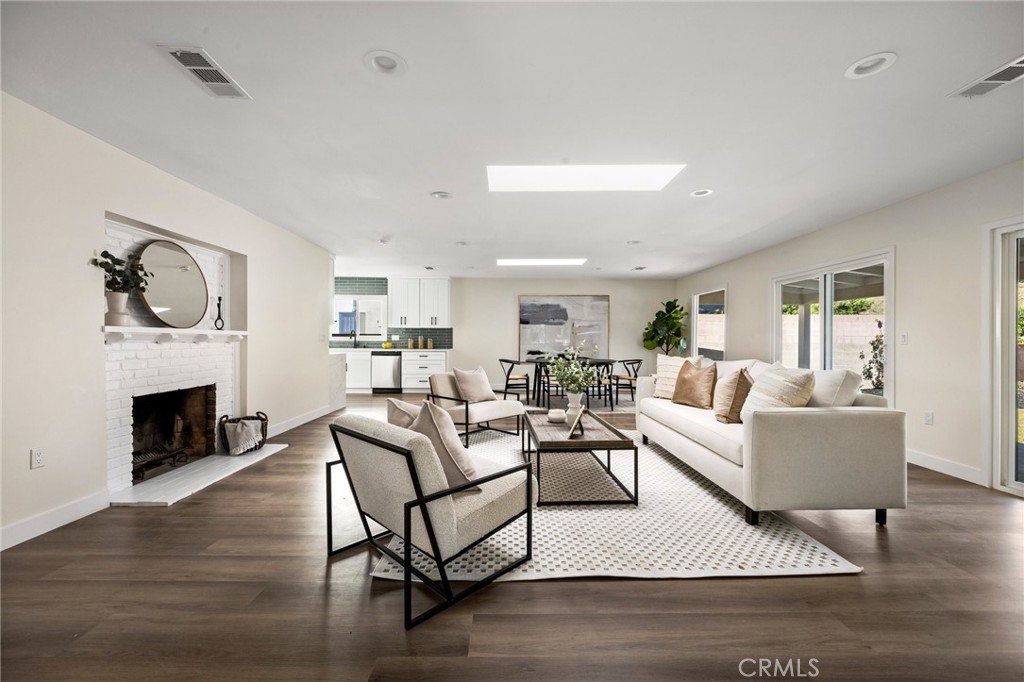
[{"x": 540, "y": 362}]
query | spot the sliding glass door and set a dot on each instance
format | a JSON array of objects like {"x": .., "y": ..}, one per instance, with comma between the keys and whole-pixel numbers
[
  {"x": 836, "y": 318},
  {"x": 1012, "y": 360}
]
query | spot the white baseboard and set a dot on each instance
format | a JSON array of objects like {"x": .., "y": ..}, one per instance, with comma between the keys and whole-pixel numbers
[
  {"x": 34, "y": 526},
  {"x": 277, "y": 428},
  {"x": 945, "y": 466}
]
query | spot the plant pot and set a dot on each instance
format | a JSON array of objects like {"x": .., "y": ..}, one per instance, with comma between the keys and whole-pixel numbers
[
  {"x": 117, "y": 309},
  {"x": 575, "y": 405}
]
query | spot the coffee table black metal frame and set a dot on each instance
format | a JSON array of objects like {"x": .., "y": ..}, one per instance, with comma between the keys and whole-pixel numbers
[{"x": 540, "y": 436}]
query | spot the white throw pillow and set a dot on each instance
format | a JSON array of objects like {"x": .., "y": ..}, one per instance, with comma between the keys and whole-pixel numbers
[
  {"x": 760, "y": 367},
  {"x": 730, "y": 367},
  {"x": 779, "y": 388},
  {"x": 834, "y": 388},
  {"x": 668, "y": 371},
  {"x": 473, "y": 385},
  {"x": 437, "y": 425}
]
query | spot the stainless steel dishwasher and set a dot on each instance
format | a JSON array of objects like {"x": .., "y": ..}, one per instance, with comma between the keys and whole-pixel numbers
[{"x": 386, "y": 371}]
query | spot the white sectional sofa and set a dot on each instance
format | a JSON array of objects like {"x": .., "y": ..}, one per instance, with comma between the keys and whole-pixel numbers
[{"x": 850, "y": 457}]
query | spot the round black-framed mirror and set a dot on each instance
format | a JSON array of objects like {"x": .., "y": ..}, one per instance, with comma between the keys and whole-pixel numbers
[{"x": 176, "y": 294}]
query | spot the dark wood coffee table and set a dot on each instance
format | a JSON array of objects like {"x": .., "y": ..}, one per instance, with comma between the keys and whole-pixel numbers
[{"x": 543, "y": 437}]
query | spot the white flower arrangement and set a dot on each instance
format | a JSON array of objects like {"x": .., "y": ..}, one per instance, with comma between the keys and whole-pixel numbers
[{"x": 573, "y": 374}]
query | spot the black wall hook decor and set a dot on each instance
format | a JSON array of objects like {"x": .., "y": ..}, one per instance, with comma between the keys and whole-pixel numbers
[{"x": 219, "y": 322}]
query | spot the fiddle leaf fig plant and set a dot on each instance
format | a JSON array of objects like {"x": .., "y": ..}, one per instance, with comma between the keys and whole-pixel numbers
[
  {"x": 120, "y": 274},
  {"x": 667, "y": 330}
]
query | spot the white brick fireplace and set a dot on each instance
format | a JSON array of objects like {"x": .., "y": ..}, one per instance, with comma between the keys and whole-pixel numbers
[
  {"x": 137, "y": 368},
  {"x": 146, "y": 358}
]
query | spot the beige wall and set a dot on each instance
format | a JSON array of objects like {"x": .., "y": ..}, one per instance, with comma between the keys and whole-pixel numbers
[
  {"x": 939, "y": 242},
  {"x": 485, "y": 316},
  {"x": 57, "y": 185}
]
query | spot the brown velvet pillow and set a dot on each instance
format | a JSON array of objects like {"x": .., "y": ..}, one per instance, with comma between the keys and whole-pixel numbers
[
  {"x": 695, "y": 386},
  {"x": 730, "y": 394}
]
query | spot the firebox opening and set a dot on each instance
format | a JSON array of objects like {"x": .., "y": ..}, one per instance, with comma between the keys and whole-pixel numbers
[{"x": 172, "y": 428}]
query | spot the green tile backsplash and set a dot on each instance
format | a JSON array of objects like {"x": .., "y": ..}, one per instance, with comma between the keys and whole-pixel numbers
[
  {"x": 442, "y": 338},
  {"x": 361, "y": 285}
]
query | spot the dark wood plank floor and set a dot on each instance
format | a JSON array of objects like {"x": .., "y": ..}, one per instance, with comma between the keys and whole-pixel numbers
[{"x": 233, "y": 584}]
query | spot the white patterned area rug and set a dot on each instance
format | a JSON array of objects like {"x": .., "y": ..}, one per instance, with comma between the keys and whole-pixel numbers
[{"x": 684, "y": 527}]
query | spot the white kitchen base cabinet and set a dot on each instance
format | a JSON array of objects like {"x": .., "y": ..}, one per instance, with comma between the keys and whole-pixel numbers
[
  {"x": 417, "y": 366},
  {"x": 358, "y": 375}
]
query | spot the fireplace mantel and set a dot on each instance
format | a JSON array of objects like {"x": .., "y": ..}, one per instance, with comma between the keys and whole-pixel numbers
[{"x": 170, "y": 334}]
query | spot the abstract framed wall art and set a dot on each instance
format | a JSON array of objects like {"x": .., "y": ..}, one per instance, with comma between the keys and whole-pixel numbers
[{"x": 548, "y": 324}]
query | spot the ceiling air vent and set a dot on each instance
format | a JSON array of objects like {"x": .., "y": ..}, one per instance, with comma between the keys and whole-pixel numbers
[
  {"x": 197, "y": 62},
  {"x": 1005, "y": 74}
]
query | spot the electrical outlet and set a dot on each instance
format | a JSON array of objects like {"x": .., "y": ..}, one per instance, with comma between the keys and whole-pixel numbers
[
  {"x": 394, "y": 337},
  {"x": 929, "y": 418},
  {"x": 904, "y": 339},
  {"x": 37, "y": 458}
]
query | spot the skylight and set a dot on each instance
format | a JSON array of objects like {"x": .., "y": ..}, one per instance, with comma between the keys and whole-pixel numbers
[
  {"x": 567, "y": 178},
  {"x": 541, "y": 261}
]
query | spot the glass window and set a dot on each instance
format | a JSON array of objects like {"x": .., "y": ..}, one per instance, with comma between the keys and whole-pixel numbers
[
  {"x": 835, "y": 318},
  {"x": 709, "y": 324}
]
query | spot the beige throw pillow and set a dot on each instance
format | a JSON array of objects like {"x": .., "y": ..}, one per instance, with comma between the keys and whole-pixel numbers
[
  {"x": 779, "y": 388},
  {"x": 695, "y": 386},
  {"x": 401, "y": 413},
  {"x": 730, "y": 395},
  {"x": 437, "y": 425},
  {"x": 667, "y": 372},
  {"x": 473, "y": 385}
]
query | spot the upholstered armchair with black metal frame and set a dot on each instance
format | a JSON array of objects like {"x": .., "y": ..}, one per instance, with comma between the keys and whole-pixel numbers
[
  {"x": 445, "y": 393},
  {"x": 398, "y": 482}
]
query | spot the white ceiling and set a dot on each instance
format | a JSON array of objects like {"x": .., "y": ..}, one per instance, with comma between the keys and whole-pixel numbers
[{"x": 750, "y": 96}]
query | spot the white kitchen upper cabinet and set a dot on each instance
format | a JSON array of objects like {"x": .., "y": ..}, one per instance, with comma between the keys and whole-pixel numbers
[
  {"x": 435, "y": 310},
  {"x": 404, "y": 302}
]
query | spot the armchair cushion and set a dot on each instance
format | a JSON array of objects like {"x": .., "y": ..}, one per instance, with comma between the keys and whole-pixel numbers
[
  {"x": 437, "y": 425},
  {"x": 485, "y": 411},
  {"x": 473, "y": 385},
  {"x": 498, "y": 501}
]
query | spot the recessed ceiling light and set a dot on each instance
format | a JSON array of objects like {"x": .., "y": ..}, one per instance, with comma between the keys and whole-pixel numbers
[
  {"x": 870, "y": 65},
  {"x": 700, "y": 192},
  {"x": 441, "y": 195},
  {"x": 640, "y": 267},
  {"x": 541, "y": 261},
  {"x": 384, "y": 62},
  {"x": 460, "y": 243},
  {"x": 383, "y": 241},
  {"x": 569, "y": 178},
  {"x": 428, "y": 267},
  {"x": 633, "y": 242}
]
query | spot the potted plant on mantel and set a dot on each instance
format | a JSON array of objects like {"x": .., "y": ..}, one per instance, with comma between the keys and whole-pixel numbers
[
  {"x": 120, "y": 277},
  {"x": 667, "y": 331}
]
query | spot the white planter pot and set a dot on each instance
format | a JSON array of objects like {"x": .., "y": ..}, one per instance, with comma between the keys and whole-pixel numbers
[
  {"x": 575, "y": 405},
  {"x": 117, "y": 309}
]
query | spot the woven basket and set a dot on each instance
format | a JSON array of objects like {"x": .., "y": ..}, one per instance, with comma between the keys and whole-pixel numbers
[{"x": 260, "y": 416}]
